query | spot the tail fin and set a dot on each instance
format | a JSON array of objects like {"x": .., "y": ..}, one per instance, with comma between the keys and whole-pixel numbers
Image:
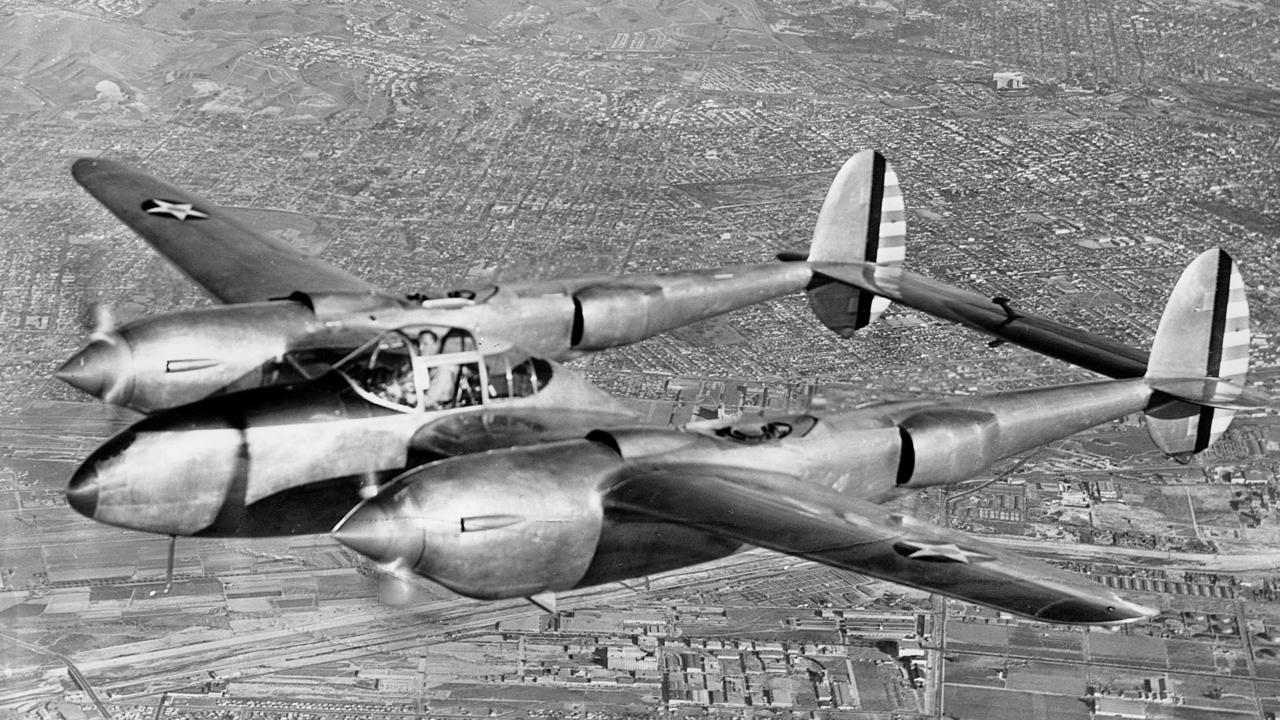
[
  {"x": 863, "y": 219},
  {"x": 1203, "y": 333}
]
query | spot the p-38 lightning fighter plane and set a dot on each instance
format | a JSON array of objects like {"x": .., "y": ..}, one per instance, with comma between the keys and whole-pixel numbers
[
  {"x": 629, "y": 501},
  {"x": 284, "y": 312},
  {"x": 415, "y": 372},
  {"x": 557, "y": 487}
]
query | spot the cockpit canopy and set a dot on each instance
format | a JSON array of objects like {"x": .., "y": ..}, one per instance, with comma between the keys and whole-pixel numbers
[{"x": 439, "y": 368}]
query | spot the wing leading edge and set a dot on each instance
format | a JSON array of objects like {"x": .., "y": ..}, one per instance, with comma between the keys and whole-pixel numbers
[
  {"x": 230, "y": 261},
  {"x": 787, "y": 515}
]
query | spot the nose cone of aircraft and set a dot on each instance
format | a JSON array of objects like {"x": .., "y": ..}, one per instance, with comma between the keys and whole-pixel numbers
[
  {"x": 379, "y": 535},
  {"x": 82, "y": 492},
  {"x": 99, "y": 369}
]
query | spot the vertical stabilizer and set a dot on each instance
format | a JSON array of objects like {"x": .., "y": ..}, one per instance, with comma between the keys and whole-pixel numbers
[
  {"x": 1203, "y": 333},
  {"x": 863, "y": 219}
]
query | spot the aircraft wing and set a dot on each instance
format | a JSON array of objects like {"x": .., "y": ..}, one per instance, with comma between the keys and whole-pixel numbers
[
  {"x": 785, "y": 514},
  {"x": 230, "y": 261},
  {"x": 991, "y": 316}
]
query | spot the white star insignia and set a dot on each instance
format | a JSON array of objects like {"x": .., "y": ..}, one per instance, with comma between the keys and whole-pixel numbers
[
  {"x": 938, "y": 552},
  {"x": 173, "y": 209}
]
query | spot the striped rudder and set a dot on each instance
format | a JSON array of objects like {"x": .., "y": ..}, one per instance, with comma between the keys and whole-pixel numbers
[
  {"x": 1204, "y": 332},
  {"x": 863, "y": 219}
]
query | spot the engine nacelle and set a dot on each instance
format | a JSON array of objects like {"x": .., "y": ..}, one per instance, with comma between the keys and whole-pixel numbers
[
  {"x": 501, "y": 524},
  {"x": 946, "y": 445},
  {"x": 177, "y": 358},
  {"x": 611, "y": 315},
  {"x": 173, "y": 359},
  {"x": 223, "y": 466}
]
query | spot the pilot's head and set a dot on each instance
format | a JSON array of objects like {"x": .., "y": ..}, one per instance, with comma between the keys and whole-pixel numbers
[{"x": 428, "y": 343}]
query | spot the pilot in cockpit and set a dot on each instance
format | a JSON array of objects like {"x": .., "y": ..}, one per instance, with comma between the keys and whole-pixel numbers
[
  {"x": 401, "y": 389},
  {"x": 442, "y": 380}
]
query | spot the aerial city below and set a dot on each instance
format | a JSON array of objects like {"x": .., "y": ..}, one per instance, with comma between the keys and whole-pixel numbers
[{"x": 627, "y": 267}]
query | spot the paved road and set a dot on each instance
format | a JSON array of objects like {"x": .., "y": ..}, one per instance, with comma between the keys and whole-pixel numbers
[
  {"x": 1250, "y": 562},
  {"x": 76, "y": 676}
]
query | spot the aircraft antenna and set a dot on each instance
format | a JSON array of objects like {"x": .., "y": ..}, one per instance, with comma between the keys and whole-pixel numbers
[{"x": 168, "y": 573}]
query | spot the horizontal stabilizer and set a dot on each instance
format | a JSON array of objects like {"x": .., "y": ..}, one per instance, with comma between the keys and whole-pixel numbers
[
  {"x": 1212, "y": 392},
  {"x": 781, "y": 513},
  {"x": 993, "y": 316}
]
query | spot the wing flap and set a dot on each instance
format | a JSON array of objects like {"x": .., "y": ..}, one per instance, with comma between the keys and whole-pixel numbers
[
  {"x": 230, "y": 261},
  {"x": 787, "y": 515}
]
